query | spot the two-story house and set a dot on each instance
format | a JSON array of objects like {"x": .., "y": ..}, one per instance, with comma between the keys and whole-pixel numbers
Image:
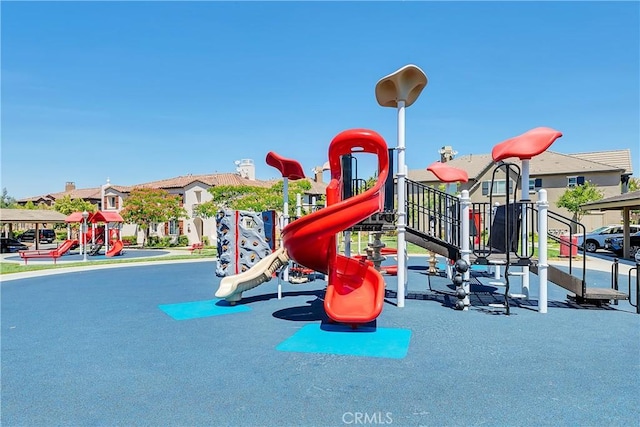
[{"x": 193, "y": 191}]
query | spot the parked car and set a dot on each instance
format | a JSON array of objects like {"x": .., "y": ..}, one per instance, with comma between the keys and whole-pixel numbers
[
  {"x": 9, "y": 245},
  {"x": 595, "y": 239},
  {"x": 614, "y": 244},
  {"x": 46, "y": 235}
]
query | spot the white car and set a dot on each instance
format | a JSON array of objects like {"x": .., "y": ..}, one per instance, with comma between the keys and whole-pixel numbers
[{"x": 594, "y": 240}]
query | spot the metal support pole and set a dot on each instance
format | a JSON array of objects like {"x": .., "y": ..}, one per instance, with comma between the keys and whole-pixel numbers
[
  {"x": 524, "y": 228},
  {"x": 543, "y": 264},
  {"x": 285, "y": 217},
  {"x": 465, "y": 204},
  {"x": 85, "y": 215},
  {"x": 402, "y": 220}
]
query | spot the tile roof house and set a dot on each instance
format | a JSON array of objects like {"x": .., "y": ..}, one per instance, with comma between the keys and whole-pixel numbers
[{"x": 193, "y": 190}]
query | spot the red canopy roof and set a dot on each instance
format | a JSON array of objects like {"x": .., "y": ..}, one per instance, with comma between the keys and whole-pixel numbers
[
  {"x": 75, "y": 217},
  {"x": 100, "y": 216},
  {"x": 106, "y": 216}
]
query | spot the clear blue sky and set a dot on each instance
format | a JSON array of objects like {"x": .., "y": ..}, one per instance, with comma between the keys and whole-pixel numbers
[{"x": 141, "y": 91}]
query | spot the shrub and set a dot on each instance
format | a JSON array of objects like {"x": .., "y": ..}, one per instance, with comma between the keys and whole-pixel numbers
[
  {"x": 131, "y": 240},
  {"x": 183, "y": 240}
]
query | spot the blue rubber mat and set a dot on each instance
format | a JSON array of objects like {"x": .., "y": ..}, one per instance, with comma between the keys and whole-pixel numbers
[
  {"x": 198, "y": 309},
  {"x": 343, "y": 340}
]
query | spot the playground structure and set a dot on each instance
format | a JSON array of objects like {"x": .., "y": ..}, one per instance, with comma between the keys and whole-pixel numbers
[
  {"x": 500, "y": 235},
  {"x": 355, "y": 290},
  {"x": 103, "y": 223}
]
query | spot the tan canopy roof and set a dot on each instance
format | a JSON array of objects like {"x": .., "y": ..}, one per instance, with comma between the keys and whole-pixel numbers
[
  {"x": 629, "y": 200},
  {"x": 31, "y": 216}
]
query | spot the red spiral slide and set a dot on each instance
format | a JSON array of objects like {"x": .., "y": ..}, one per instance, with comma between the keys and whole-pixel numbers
[{"x": 355, "y": 293}]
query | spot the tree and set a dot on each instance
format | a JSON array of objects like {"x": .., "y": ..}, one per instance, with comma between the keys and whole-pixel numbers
[
  {"x": 67, "y": 206},
  {"x": 246, "y": 197},
  {"x": 634, "y": 184},
  {"x": 145, "y": 206},
  {"x": 7, "y": 201},
  {"x": 574, "y": 197}
]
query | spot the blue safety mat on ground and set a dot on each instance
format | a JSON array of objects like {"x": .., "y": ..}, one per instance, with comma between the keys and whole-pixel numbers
[
  {"x": 343, "y": 340},
  {"x": 198, "y": 309}
]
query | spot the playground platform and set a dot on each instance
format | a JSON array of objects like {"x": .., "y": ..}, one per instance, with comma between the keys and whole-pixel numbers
[{"x": 147, "y": 345}]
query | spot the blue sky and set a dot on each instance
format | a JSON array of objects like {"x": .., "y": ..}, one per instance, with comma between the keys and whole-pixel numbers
[{"x": 141, "y": 91}]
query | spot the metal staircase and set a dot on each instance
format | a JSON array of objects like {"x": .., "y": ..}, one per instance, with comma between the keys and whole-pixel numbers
[{"x": 433, "y": 219}]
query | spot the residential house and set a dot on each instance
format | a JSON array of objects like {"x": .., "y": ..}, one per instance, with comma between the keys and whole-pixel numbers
[
  {"x": 193, "y": 190},
  {"x": 555, "y": 172},
  {"x": 91, "y": 195}
]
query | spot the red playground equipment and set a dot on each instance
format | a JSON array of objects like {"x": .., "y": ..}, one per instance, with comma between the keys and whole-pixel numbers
[
  {"x": 355, "y": 291},
  {"x": 96, "y": 235}
]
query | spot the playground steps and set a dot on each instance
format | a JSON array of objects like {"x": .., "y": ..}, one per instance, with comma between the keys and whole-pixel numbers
[
  {"x": 574, "y": 284},
  {"x": 520, "y": 296}
]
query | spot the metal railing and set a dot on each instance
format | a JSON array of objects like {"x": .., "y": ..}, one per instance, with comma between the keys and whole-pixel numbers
[{"x": 433, "y": 212}]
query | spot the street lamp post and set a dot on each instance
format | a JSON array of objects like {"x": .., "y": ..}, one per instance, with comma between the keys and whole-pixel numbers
[
  {"x": 400, "y": 89},
  {"x": 85, "y": 215}
]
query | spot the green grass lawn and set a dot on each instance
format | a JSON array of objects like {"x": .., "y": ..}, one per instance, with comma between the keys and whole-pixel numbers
[{"x": 12, "y": 267}]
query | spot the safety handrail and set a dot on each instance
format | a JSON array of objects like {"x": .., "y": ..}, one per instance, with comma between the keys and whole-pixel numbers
[
  {"x": 637, "y": 304},
  {"x": 433, "y": 212},
  {"x": 615, "y": 268},
  {"x": 570, "y": 225}
]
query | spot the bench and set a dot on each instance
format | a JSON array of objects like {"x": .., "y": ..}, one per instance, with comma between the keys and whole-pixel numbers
[
  {"x": 196, "y": 247},
  {"x": 54, "y": 254}
]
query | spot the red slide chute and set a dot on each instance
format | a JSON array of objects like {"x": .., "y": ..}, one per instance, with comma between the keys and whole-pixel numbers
[{"x": 355, "y": 293}]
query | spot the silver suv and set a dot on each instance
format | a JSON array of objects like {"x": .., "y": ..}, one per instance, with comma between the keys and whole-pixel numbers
[{"x": 594, "y": 240}]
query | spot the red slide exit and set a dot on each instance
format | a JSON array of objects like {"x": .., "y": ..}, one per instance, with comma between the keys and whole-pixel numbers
[{"x": 355, "y": 293}]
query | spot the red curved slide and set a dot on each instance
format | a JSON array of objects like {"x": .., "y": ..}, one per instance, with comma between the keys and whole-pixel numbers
[
  {"x": 115, "y": 248},
  {"x": 355, "y": 293},
  {"x": 66, "y": 246}
]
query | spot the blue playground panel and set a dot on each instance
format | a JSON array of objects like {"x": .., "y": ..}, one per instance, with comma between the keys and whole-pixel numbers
[
  {"x": 388, "y": 343},
  {"x": 200, "y": 309}
]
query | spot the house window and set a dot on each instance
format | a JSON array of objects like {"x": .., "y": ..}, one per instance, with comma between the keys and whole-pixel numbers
[
  {"x": 112, "y": 202},
  {"x": 198, "y": 194},
  {"x": 153, "y": 227},
  {"x": 535, "y": 184},
  {"x": 573, "y": 181},
  {"x": 174, "y": 227},
  {"x": 498, "y": 187}
]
